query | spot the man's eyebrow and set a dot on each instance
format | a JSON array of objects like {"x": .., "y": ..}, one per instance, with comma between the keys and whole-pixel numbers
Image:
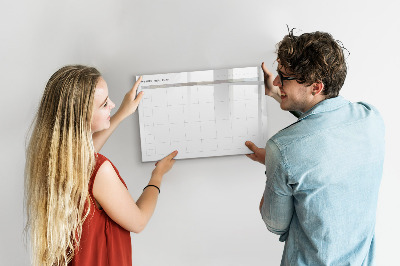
[{"x": 283, "y": 74}]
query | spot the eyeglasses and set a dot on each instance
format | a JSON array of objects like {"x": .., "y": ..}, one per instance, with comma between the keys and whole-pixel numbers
[{"x": 282, "y": 78}]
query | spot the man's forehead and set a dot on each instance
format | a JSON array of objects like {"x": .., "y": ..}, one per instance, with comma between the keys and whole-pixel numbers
[{"x": 283, "y": 70}]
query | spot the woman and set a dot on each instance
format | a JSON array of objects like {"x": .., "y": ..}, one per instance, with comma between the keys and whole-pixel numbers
[{"x": 78, "y": 207}]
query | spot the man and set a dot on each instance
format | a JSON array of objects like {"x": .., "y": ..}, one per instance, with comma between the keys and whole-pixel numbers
[{"x": 323, "y": 171}]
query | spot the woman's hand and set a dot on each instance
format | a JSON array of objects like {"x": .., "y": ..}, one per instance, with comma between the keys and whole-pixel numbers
[
  {"x": 164, "y": 165},
  {"x": 128, "y": 107},
  {"x": 270, "y": 89},
  {"x": 131, "y": 101}
]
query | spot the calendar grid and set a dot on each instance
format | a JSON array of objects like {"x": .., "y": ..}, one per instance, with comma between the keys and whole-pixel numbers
[{"x": 190, "y": 113}]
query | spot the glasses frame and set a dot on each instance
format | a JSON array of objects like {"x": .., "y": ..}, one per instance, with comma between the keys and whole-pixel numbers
[{"x": 282, "y": 78}]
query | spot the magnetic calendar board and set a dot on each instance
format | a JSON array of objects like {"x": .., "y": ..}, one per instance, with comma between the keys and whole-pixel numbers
[{"x": 202, "y": 113}]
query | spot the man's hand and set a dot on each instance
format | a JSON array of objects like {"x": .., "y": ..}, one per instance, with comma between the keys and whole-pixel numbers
[
  {"x": 259, "y": 153},
  {"x": 270, "y": 89}
]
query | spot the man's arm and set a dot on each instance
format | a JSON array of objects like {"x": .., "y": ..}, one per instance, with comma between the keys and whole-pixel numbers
[
  {"x": 261, "y": 203},
  {"x": 276, "y": 206},
  {"x": 270, "y": 89},
  {"x": 276, "y": 211}
]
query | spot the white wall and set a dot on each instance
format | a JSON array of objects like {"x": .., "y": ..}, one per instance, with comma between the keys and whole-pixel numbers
[{"x": 208, "y": 208}]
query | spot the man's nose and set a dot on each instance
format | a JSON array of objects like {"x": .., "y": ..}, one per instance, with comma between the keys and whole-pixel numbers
[{"x": 277, "y": 81}]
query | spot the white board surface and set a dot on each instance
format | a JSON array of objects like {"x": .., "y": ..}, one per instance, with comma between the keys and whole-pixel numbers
[{"x": 202, "y": 113}]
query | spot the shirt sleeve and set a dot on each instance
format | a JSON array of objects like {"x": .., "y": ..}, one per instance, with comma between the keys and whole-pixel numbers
[{"x": 277, "y": 209}]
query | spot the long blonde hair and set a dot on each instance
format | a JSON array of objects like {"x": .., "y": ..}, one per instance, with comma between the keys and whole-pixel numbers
[{"x": 59, "y": 162}]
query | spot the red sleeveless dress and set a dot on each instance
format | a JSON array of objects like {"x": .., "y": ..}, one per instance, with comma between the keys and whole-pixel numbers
[{"x": 103, "y": 241}]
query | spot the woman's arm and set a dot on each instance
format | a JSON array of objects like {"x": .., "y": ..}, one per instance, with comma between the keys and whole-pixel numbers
[
  {"x": 128, "y": 107},
  {"x": 116, "y": 201}
]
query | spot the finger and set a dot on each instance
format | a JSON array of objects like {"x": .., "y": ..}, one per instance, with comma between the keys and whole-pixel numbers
[
  {"x": 172, "y": 155},
  {"x": 251, "y": 145},
  {"x": 139, "y": 97},
  {"x": 251, "y": 156},
  {"x": 136, "y": 85},
  {"x": 265, "y": 69}
]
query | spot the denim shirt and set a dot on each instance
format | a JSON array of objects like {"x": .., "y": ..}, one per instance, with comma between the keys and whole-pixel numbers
[{"x": 323, "y": 176}]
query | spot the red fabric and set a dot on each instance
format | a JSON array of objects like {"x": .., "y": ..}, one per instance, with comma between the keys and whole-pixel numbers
[{"x": 103, "y": 241}]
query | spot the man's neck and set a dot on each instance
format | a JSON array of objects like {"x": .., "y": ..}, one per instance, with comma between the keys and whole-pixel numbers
[{"x": 316, "y": 100}]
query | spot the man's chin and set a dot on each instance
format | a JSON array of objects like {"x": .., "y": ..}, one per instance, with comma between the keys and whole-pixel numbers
[{"x": 285, "y": 108}]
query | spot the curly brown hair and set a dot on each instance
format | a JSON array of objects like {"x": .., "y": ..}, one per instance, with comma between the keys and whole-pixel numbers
[{"x": 314, "y": 57}]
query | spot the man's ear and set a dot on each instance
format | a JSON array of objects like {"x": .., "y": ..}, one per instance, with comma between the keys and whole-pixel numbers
[{"x": 317, "y": 88}]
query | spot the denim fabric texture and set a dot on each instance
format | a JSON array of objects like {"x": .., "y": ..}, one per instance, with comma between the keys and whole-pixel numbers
[{"x": 323, "y": 176}]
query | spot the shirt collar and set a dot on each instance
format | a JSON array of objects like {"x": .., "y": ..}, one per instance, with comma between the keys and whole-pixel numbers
[{"x": 325, "y": 106}]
